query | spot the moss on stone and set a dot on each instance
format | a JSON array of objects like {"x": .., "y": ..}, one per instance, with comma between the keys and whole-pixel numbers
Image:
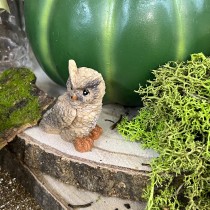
[{"x": 19, "y": 103}]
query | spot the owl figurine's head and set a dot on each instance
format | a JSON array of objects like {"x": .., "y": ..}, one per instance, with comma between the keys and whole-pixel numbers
[{"x": 85, "y": 85}]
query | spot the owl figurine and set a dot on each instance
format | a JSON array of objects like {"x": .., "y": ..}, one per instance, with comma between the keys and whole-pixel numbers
[{"x": 75, "y": 114}]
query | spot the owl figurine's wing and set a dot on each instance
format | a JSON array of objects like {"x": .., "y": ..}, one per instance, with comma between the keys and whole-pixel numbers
[{"x": 60, "y": 116}]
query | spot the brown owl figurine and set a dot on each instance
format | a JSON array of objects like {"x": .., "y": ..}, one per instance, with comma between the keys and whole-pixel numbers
[{"x": 75, "y": 114}]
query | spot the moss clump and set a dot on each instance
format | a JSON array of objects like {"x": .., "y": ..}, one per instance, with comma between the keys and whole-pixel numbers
[
  {"x": 175, "y": 121},
  {"x": 19, "y": 103}
]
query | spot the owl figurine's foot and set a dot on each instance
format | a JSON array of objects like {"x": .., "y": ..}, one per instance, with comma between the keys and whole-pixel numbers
[
  {"x": 84, "y": 144},
  {"x": 96, "y": 133}
]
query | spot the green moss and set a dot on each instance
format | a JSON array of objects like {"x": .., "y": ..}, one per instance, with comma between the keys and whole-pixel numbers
[
  {"x": 18, "y": 102},
  {"x": 175, "y": 121}
]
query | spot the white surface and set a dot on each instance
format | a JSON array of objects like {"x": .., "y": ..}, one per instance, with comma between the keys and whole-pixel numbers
[
  {"x": 74, "y": 196},
  {"x": 113, "y": 141}
]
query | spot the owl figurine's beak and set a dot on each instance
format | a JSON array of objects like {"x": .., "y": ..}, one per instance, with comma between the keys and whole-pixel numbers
[{"x": 74, "y": 97}]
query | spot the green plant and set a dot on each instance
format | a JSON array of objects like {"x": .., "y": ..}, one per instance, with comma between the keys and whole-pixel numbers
[
  {"x": 175, "y": 122},
  {"x": 19, "y": 102}
]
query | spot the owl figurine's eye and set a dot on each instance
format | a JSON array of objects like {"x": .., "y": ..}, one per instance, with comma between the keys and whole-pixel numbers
[{"x": 85, "y": 92}]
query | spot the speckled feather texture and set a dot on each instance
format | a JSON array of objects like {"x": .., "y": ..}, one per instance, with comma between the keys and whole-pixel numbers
[{"x": 75, "y": 114}]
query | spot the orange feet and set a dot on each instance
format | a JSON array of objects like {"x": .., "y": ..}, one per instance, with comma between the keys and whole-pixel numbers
[
  {"x": 84, "y": 144},
  {"x": 96, "y": 132}
]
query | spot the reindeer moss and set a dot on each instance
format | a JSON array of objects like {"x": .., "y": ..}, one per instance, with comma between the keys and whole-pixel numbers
[
  {"x": 175, "y": 121},
  {"x": 18, "y": 101}
]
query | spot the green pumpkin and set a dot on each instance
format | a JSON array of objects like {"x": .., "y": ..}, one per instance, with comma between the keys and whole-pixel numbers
[{"x": 122, "y": 39}]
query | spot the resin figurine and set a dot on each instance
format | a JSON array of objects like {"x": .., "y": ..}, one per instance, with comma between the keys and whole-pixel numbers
[{"x": 75, "y": 114}]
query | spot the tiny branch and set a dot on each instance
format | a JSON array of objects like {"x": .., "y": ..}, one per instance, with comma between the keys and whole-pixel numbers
[
  {"x": 109, "y": 120},
  {"x": 116, "y": 123},
  {"x": 80, "y": 206}
]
